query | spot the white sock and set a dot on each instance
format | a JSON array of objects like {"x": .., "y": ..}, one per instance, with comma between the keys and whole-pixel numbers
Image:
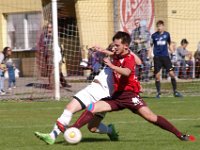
[
  {"x": 55, "y": 132},
  {"x": 103, "y": 129},
  {"x": 65, "y": 119}
]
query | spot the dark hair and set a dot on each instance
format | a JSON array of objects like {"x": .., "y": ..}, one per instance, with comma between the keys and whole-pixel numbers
[
  {"x": 110, "y": 47},
  {"x": 184, "y": 41},
  {"x": 125, "y": 37},
  {"x": 160, "y": 22},
  {"x": 5, "y": 50}
]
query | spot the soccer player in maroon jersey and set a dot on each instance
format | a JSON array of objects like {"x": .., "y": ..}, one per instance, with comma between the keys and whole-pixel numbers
[{"x": 127, "y": 89}]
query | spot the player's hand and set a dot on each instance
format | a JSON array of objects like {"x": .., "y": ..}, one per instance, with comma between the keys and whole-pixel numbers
[{"x": 108, "y": 62}]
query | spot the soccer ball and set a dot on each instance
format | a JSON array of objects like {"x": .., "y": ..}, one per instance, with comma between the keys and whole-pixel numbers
[{"x": 73, "y": 135}]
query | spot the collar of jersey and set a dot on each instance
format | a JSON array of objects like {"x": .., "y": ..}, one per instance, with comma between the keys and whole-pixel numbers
[{"x": 123, "y": 56}]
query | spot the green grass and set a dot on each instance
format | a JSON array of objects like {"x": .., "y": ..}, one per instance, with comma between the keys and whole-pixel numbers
[
  {"x": 19, "y": 120},
  {"x": 186, "y": 87}
]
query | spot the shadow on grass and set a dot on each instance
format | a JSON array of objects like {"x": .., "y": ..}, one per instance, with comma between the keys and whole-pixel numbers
[
  {"x": 197, "y": 126},
  {"x": 86, "y": 140}
]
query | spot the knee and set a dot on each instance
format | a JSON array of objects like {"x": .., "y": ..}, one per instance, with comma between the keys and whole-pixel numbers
[
  {"x": 157, "y": 77},
  {"x": 151, "y": 118},
  {"x": 91, "y": 107},
  {"x": 69, "y": 107},
  {"x": 92, "y": 129},
  {"x": 172, "y": 75}
]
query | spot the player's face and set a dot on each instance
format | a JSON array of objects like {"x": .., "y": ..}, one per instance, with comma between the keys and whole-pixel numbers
[
  {"x": 120, "y": 48},
  {"x": 160, "y": 28}
]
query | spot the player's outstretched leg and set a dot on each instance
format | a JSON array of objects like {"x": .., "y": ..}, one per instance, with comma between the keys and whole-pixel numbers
[{"x": 160, "y": 121}]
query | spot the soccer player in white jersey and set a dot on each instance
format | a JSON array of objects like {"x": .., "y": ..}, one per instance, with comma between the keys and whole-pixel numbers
[{"x": 103, "y": 83}]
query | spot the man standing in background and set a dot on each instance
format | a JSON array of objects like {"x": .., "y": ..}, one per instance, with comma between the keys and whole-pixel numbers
[
  {"x": 161, "y": 42},
  {"x": 140, "y": 45},
  {"x": 182, "y": 52}
]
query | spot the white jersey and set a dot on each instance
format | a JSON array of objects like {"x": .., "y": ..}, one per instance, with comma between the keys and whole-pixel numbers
[
  {"x": 105, "y": 78},
  {"x": 96, "y": 91}
]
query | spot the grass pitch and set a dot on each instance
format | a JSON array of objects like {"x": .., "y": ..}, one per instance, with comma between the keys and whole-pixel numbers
[{"x": 19, "y": 121}]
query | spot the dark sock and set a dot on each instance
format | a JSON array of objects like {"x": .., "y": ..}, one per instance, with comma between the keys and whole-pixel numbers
[
  {"x": 166, "y": 125},
  {"x": 173, "y": 81},
  {"x": 157, "y": 83},
  {"x": 85, "y": 117}
]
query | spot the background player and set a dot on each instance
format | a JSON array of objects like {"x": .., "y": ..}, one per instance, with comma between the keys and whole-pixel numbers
[
  {"x": 126, "y": 93},
  {"x": 161, "y": 42},
  {"x": 103, "y": 83}
]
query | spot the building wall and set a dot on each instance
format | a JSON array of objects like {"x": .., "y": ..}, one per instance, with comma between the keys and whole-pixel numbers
[
  {"x": 182, "y": 18},
  {"x": 95, "y": 21},
  {"x": 184, "y": 21},
  {"x": 14, "y": 6},
  {"x": 95, "y": 18},
  {"x": 161, "y": 9}
]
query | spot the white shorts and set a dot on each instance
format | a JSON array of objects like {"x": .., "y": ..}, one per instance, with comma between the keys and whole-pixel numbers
[{"x": 91, "y": 94}]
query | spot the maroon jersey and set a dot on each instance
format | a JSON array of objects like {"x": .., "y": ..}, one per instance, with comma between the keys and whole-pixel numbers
[{"x": 126, "y": 83}]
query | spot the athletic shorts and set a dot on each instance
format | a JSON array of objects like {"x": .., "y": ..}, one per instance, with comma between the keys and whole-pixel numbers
[
  {"x": 126, "y": 99},
  {"x": 162, "y": 62},
  {"x": 91, "y": 94}
]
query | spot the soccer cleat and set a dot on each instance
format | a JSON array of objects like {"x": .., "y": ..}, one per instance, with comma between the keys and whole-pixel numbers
[
  {"x": 158, "y": 95},
  {"x": 186, "y": 137},
  {"x": 177, "y": 94},
  {"x": 61, "y": 126},
  {"x": 114, "y": 135},
  {"x": 45, "y": 137}
]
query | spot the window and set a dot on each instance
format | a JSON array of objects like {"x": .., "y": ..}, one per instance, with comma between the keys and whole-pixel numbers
[{"x": 22, "y": 30}]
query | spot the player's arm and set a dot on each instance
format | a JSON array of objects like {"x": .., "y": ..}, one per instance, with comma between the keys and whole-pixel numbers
[
  {"x": 137, "y": 59},
  {"x": 102, "y": 50},
  {"x": 122, "y": 71},
  {"x": 170, "y": 46}
]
